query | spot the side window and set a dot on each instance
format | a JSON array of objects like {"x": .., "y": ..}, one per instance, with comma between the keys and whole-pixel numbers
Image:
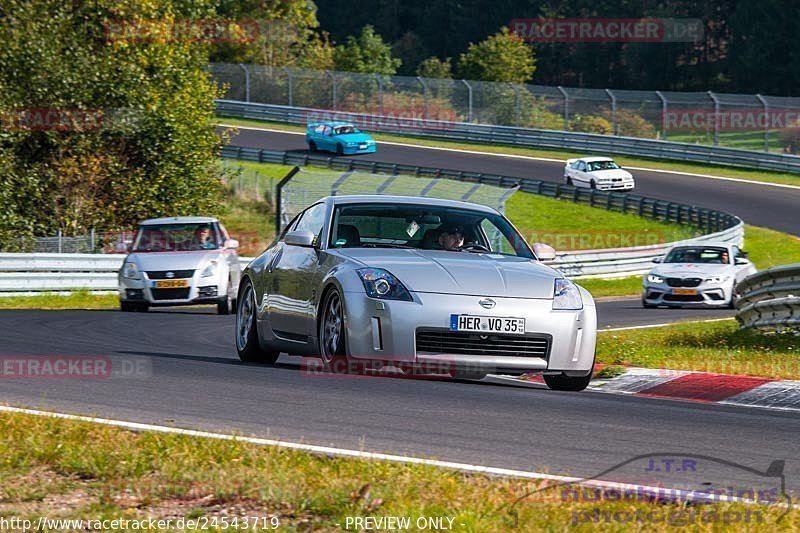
[
  {"x": 327, "y": 130},
  {"x": 320, "y": 129},
  {"x": 581, "y": 166},
  {"x": 312, "y": 220}
]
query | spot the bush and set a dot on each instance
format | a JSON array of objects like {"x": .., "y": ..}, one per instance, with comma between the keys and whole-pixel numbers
[
  {"x": 590, "y": 124},
  {"x": 633, "y": 125},
  {"x": 789, "y": 140}
]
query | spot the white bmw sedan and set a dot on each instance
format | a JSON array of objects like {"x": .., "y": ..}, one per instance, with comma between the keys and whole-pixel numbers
[
  {"x": 418, "y": 284},
  {"x": 697, "y": 275},
  {"x": 180, "y": 261},
  {"x": 600, "y": 173}
]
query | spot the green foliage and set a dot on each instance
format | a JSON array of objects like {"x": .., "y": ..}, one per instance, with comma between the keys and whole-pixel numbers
[
  {"x": 154, "y": 149},
  {"x": 789, "y": 140},
  {"x": 366, "y": 53},
  {"x": 590, "y": 124},
  {"x": 501, "y": 57},
  {"x": 433, "y": 67},
  {"x": 633, "y": 125}
]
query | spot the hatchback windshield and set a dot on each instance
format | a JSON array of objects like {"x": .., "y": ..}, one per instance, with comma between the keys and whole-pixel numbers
[
  {"x": 698, "y": 254},
  {"x": 425, "y": 228},
  {"x": 176, "y": 238},
  {"x": 344, "y": 130},
  {"x": 602, "y": 165}
]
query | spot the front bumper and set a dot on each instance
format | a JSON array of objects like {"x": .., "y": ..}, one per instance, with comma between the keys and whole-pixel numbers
[
  {"x": 619, "y": 186},
  {"x": 207, "y": 290},
  {"x": 353, "y": 150},
  {"x": 706, "y": 295},
  {"x": 386, "y": 330}
]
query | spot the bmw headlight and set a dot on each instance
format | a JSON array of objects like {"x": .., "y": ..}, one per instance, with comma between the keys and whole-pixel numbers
[
  {"x": 654, "y": 278},
  {"x": 716, "y": 280},
  {"x": 130, "y": 271},
  {"x": 210, "y": 270},
  {"x": 380, "y": 283},
  {"x": 566, "y": 295}
]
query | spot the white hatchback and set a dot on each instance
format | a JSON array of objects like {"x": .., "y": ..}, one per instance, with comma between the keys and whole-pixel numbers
[{"x": 180, "y": 261}]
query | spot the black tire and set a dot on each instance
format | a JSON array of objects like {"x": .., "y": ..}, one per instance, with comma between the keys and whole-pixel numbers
[
  {"x": 127, "y": 307},
  {"x": 647, "y": 305},
  {"x": 332, "y": 333},
  {"x": 592, "y": 184},
  {"x": 246, "y": 336},
  {"x": 339, "y": 149},
  {"x": 569, "y": 180},
  {"x": 312, "y": 146},
  {"x": 561, "y": 382},
  {"x": 225, "y": 307}
]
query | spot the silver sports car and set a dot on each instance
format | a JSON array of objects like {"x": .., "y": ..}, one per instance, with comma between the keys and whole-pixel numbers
[{"x": 423, "y": 285}]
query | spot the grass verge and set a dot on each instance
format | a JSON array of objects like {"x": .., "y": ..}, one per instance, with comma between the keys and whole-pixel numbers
[
  {"x": 67, "y": 469},
  {"x": 785, "y": 178},
  {"x": 705, "y": 347},
  {"x": 74, "y": 300}
]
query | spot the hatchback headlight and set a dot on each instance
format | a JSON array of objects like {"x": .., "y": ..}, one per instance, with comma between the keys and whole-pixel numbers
[
  {"x": 210, "y": 270},
  {"x": 380, "y": 283},
  {"x": 566, "y": 295},
  {"x": 717, "y": 280},
  {"x": 130, "y": 271},
  {"x": 654, "y": 278}
]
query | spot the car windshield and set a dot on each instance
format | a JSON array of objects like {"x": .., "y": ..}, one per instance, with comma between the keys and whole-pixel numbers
[
  {"x": 344, "y": 130},
  {"x": 176, "y": 237},
  {"x": 698, "y": 254},
  {"x": 426, "y": 228},
  {"x": 602, "y": 165}
]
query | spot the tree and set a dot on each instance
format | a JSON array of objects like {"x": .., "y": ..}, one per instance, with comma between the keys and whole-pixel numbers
[
  {"x": 433, "y": 67},
  {"x": 501, "y": 57},
  {"x": 367, "y": 53},
  {"x": 150, "y": 148}
]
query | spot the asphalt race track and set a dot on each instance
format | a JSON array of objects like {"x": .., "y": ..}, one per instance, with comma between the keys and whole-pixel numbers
[
  {"x": 760, "y": 205},
  {"x": 188, "y": 375}
]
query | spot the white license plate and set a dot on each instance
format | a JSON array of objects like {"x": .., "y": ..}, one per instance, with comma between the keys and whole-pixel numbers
[
  {"x": 487, "y": 324},
  {"x": 362, "y": 146}
]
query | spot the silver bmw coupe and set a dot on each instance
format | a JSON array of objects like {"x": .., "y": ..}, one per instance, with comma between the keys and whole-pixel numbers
[{"x": 423, "y": 285}]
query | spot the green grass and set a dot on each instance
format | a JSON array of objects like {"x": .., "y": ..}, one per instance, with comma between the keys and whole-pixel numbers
[
  {"x": 75, "y": 300},
  {"x": 617, "y": 287},
  {"x": 768, "y": 248},
  {"x": 70, "y": 469},
  {"x": 786, "y": 178},
  {"x": 703, "y": 346},
  {"x": 744, "y": 140}
]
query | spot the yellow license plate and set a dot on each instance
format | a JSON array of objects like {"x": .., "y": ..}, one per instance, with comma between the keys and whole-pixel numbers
[
  {"x": 172, "y": 284},
  {"x": 685, "y": 292}
]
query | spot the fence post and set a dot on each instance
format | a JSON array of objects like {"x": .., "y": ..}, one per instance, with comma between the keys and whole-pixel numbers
[
  {"x": 380, "y": 93},
  {"x": 246, "y": 82},
  {"x": 664, "y": 109},
  {"x": 332, "y": 76},
  {"x": 424, "y": 95},
  {"x": 716, "y": 117},
  {"x": 566, "y": 107},
  {"x": 59, "y": 241},
  {"x": 91, "y": 241},
  {"x": 614, "y": 125},
  {"x": 766, "y": 121},
  {"x": 469, "y": 100},
  {"x": 517, "y": 110},
  {"x": 290, "y": 78}
]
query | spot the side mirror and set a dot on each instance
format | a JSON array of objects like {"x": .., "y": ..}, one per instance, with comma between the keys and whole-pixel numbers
[
  {"x": 231, "y": 244},
  {"x": 741, "y": 261},
  {"x": 301, "y": 237},
  {"x": 544, "y": 252},
  {"x": 656, "y": 260}
]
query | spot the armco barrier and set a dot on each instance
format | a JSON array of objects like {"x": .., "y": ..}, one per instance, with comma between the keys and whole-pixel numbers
[
  {"x": 561, "y": 140},
  {"x": 770, "y": 299}
]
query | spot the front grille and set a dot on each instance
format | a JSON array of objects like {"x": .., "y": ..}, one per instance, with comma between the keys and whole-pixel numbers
[
  {"x": 177, "y": 274},
  {"x": 684, "y": 282},
  {"x": 170, "y": 294},
  {"x": 683, "y": 298},
  {"x": 444, "y": 341}
]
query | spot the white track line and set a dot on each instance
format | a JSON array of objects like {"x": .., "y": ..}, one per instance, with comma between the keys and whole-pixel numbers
[
  {"x": 667, "y": 324},
  {"x": 534, "y": 158},
  {"x": 358, "y": 454}
]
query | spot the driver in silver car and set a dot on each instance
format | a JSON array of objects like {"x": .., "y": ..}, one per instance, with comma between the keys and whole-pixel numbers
[{"x": 452, "y": 238}]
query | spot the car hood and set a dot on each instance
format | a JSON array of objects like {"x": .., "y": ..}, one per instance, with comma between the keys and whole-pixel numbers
[
  {"x": 612, "y": 173},
  {"x": 687, "y": 270},
  {"x": 173, "y": 260},
  {"x": 466, "y": 273},
  {"x": 354, "y": 137}
]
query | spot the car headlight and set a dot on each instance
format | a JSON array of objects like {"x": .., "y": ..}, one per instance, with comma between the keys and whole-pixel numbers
[
  {"x": 716, "y": 280},
  {"x": 654, "y": 278},
  {"x": 210, "y": 270},
  {"x": 380, "y": 283},
  {"x": 566, "y": 295},
  {"x": 130, "y": 271}
]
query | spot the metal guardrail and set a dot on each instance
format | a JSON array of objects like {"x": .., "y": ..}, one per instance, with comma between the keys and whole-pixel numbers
[
  {"x": 537, "y": 138},
  {"x": 770, "y": 299}
]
